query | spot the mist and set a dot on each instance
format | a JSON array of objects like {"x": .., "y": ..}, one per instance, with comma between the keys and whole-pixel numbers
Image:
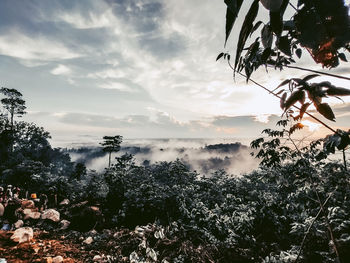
[{"x": 202, "y": 155}]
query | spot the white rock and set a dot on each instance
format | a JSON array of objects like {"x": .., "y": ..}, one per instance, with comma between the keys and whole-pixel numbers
[
  {"x": 64, "y": 202},
  {"x": 140, "y": 231},
  {"x": 64, "y": 224},
  {"x": 97, "y": 258},
  {"x": 57, "y": 259},
  {"x": 2, "y": 209},
  {"x": 51, "y": 214},
  {"x": 88, "y": 241},
  {"x": 18, "y": 224},
  {"x": 22, "y": 234},
  {"x": 28, "y": 204},
  {"x": 28, "y": 213},
  {"x": 151, "y": 254}
]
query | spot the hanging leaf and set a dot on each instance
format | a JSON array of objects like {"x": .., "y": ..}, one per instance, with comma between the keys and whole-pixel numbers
[
  {"x": 246, "y": 29},
  {"x": 337, "y": 91},
  {"x": 300, "y": 82},
  {"x": 303, "y": 109},
  {"x": 324, "y": 84},
  {"x": 283, "y": 44},
  {"x": 219, "y": 56},
  {"x": 308, "y": 77},
  {"x": 283, "y": 99},
  {"x": 293, "y": 98},
  {"x": 255, "y": 27},
  {"x": 298, "y": 52},
  {"x": 266, "y": 36},
  {"x": 326, "y": 111},
  {"x": 284, "y": 82},
  {"x": 265, "y": 55},
  {"x": 297, "y": 126},
  {"x": 342, "y": 57},
  {"x": 233, "y": 7}
]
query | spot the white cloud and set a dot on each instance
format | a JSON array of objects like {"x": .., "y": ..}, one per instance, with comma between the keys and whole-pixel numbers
[
  {"x": 39, "y": 48},
  {"x": 89, "y": 20},
  {"x": 117, "y": 86},
  {"x": 61, "y": 70}
]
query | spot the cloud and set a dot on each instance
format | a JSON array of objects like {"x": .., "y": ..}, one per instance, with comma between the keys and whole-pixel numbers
[
  {"x": 18, "y": 45},
  {"x": 61, "y": 70},
  {"x": 116, "y": 86}
]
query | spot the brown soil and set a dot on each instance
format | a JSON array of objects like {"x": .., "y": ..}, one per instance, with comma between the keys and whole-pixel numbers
[{"x": 40, "y": 248}]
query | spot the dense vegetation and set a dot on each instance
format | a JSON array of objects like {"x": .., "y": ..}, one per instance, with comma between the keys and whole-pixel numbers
[{"x": 299, "y": 203}]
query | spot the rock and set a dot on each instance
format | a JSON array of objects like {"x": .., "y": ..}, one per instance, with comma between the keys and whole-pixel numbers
[
  {"x": 93, "y": 232},
  {"x": 88, "y": 241},
  {"x": 140, "y": 231},
  {"x": 28, "y": 204},
  {"x": 18, "y": 224},
  {"x": 2, "y": 209},
  {"x": 22, "y": 234},
  {"x": 57, "y": 259},
  {"x": 64, "y": 224},
  {"x": 151, "y": 254},
  {"x": 97, "y": 258},
  {"x": 51, "y": 214},
  {"x": 65, "y": 202},
  {"x": 29, "y": 213}
]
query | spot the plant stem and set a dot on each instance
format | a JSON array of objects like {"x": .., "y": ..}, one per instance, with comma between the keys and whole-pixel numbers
[
  {"x": 335, "y": 247},
  {"x": 274, "y": 94},
  {"x": 318, "y": 72},
  {"x": 344, "y": 160},
  {"x": 309, "y": 228}
]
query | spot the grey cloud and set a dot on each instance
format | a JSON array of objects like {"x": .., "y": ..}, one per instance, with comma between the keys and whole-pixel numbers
[
  {"x": 163, "y": 47},
  {"x": 143, "y": 15}
]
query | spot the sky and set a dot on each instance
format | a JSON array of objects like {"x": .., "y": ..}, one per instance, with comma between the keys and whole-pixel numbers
[{"x": 140, "y": 69}]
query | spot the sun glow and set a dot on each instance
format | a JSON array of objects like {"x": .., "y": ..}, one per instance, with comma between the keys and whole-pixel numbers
[{"x": 312, "y": 126}]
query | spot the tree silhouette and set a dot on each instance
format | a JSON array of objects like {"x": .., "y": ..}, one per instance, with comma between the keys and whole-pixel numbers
[
  {"x": 111, "y": 144},
  {"x": 319, "y": 27},
  {"x": 13, "y": 103}
]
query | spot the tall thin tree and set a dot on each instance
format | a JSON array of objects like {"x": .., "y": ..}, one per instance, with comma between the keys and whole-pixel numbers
[{"x": 111, "y": 144}]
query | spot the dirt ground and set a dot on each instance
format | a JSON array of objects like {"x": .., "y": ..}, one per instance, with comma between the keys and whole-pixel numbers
[{"x": 41, "y": 248}]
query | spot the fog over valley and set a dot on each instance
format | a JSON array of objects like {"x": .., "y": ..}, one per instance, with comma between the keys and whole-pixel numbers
[{"x": 202, "y": 155}]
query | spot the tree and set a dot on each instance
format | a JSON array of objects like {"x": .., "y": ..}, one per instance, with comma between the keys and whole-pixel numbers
[
  {"x": 13, "y": 103},
  {"x": 79, "y": 171},
  {"x": 111, "y": 144},
  {"x": 320, "y": 27}
]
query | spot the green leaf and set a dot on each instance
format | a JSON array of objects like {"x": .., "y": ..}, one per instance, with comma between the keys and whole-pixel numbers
[
  {"x": 342, "y": 57},
  {"x": 283, "y": 44},
  {"x": 337, "y": 91},
  {"x": 297, "y": 126},
  {"x": 293, "y": 98},
  {"x": 219, "y": 56},
  {"x": 266, "y": 36},
  {"x": 326, "y": 111},
  {"x": 308, "y": 77},
  {"x": 284, "y": 82},
  {"x": 233, "y": 7},
  {"x": 246, "y": 29},
  {"x": 266, "y": 54},
  {"x": 303, "y": 109},
  {"x": 255, "y": 27},
  {"x": 283, "y": 100},
  {"x": 298, "y": 52}
]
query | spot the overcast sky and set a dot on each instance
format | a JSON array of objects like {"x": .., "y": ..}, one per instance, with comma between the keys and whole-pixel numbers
[{"x": 139, "y": 68}]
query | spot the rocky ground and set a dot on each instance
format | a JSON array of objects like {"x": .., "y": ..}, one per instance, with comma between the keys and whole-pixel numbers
[{"x": 52, "y": 236}]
